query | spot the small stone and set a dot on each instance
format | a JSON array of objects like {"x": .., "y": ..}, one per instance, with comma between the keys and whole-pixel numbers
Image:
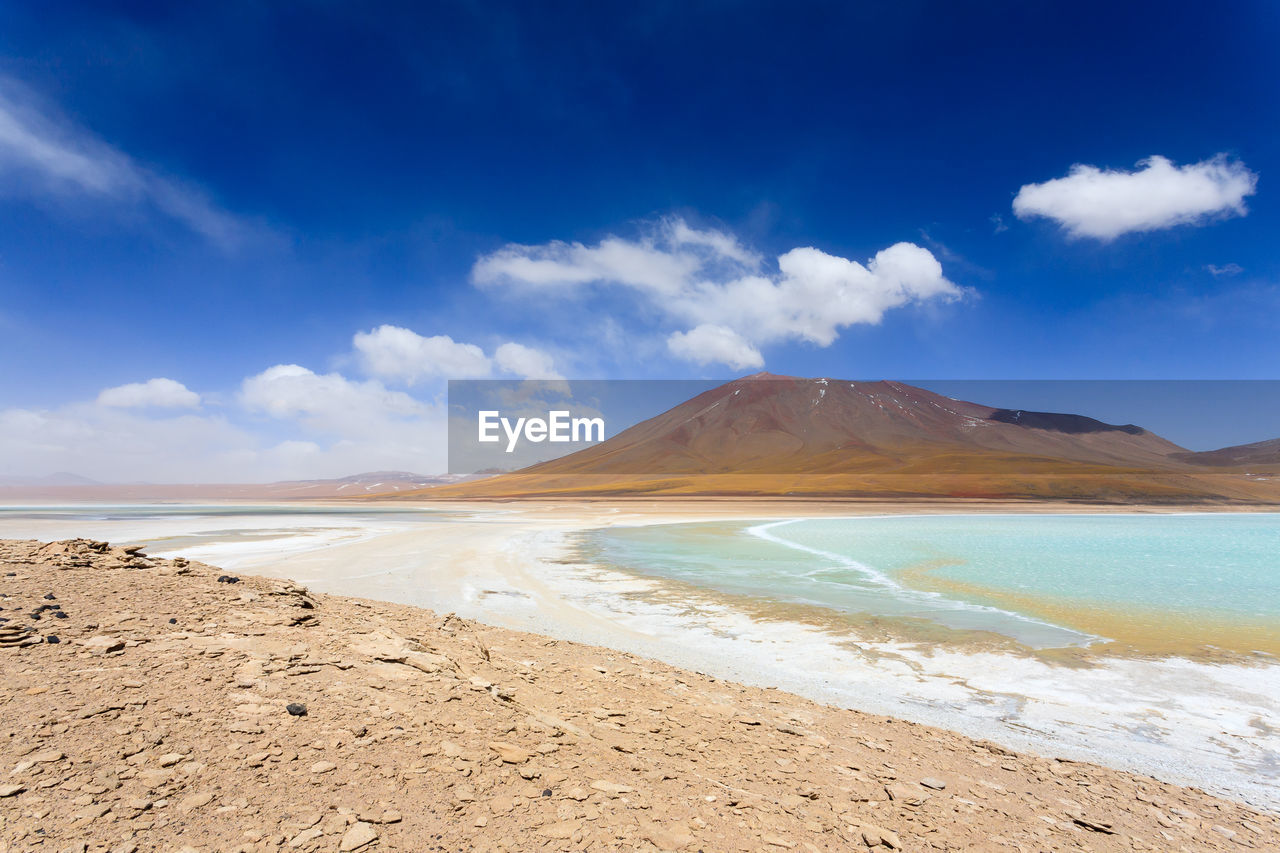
[
  {"x": 53, "y": 638},
  {"x": 909, "y": 795},
  {"x": 510, "y": 753},
  {"x": 876, "y": 836},
  {"x": 11, "y": 790},
  {"x": 358, "y": 836},
  {"x": 933, "y": 782},
  {"x": 296, "y": 709},
  {"x": 173, "y": 621},
  {"x": 323, "y": 767},
  {"x": 306, "y": 836},
  {"x": 45, "y": 757},
  {"x": 154, "y": 778},
  {"x": 103, "y": 645},
  {"x": 613, "y": 789},
  {"x": 195, "y": 801},
  {"x": 169, "y": 759},
  {"x": 48, "y": 596}
]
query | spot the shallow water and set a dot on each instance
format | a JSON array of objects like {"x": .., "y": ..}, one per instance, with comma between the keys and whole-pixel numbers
[{"x": 1027, "y": 577}]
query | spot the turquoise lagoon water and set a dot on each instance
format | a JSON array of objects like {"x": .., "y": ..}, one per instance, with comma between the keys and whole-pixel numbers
[{"x": 1191, "y": 566}]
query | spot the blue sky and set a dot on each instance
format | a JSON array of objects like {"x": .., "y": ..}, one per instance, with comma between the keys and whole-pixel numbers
[{"x": 301, "y": 218}]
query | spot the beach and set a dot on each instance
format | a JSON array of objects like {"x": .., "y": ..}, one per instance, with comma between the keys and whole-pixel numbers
[
  {"x": 1188, "y": 719},
  {"x": 188, "y": 707}
]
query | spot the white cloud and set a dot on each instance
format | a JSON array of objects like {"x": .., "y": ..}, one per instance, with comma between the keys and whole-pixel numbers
[
  {"x": 1224, "y": 270},
  {"x": 393, "y": 352},
  {"x": 1104, "y": 204},
  {"x": 328, "y": 401},
  {"x": 44, "y": 154},
  {"x": 710, "y": 344},
  {"x": 697, "y": 278},
  {"x": 352, "y": 425},
  {"x": 398, "y": 354},
  {"x": 122, "y": 445},
  {"x": 159, "y": 392},
  {"x": 525, "y": 362}
]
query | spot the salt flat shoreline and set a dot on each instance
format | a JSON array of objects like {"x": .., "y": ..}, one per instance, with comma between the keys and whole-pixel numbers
[
  {"x": 160, "y": 721},
  {"x": 509, "y": 564}
]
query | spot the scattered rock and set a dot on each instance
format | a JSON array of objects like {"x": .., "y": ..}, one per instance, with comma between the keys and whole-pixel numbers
[
  {"x": 509, "y": 753},
  {"x": 907, "y": 795},
  {"x": 11, "y": 790},
  {"x": 103, "y": 645},
  {"x": 323, "y": 767},
  {"x": 934, "y": 783},
  {"x": 1092, "y": 824},
  {"x": 613, "y": 789},
  {"x": 195, "y": 801},
  {"x": 358, "y": 836},
  {"x": 878, "y": 836},
  {"x": 296, "y": 709}
]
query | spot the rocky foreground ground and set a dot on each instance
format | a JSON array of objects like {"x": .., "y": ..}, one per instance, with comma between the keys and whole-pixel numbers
[{"x": 150, "y": 704}]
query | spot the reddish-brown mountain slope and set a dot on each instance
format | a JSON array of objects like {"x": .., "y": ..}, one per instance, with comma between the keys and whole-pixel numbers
[{"x": 776, "y": 435}]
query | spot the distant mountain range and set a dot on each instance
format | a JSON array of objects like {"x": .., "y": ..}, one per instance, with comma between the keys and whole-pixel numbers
[
  {"x": 778, "y": 435},
  {"x": 73, "y": 487}
]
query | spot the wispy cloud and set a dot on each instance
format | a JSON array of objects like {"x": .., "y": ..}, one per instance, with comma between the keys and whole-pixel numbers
[
  {"x": 44, "y": 154},
  {"x": 1224, "y": 270},
  {"x": 1106, "y": 203},
  {"x": 724, "y": 299}
]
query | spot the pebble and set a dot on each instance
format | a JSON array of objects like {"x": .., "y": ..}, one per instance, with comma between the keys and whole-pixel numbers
[
  {"x": 103, "y": 645},
  {"x": 934, "y": 783},
  {"x": 510, "y": 753},
  {"x": 358, "y": 836},
  {"x": 11, "y": 790},
  {"x": 195, "y": 801},
  {"x": 296, "y": 709},
  {"x": 614, "y": 789},
  {"x": 323, "y": 767}
]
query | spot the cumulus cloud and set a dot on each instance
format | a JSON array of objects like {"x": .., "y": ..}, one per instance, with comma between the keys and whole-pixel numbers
[
  {"x": 159, "y": 392},
  {"x": 706, "y": 278},
  {"x": 43, "y": 153},
  {"x": 711, "y": 344},
  {"x": 403, "y": 355},
  {"x": 393, "y": 352},
  {"x": 1106, "y": 203},
  {"x": 347, "y": 425},
  {"x": 327, "y": 401},
  {"x": 525, "y": 362}
]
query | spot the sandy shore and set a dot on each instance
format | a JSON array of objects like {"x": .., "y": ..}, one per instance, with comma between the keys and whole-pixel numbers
[
  {"x": 506, "y": 564},
  {"x": 161, "y": 720}
]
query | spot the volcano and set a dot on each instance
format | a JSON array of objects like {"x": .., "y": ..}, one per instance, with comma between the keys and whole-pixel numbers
[{"x": 779, "y": 435}]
